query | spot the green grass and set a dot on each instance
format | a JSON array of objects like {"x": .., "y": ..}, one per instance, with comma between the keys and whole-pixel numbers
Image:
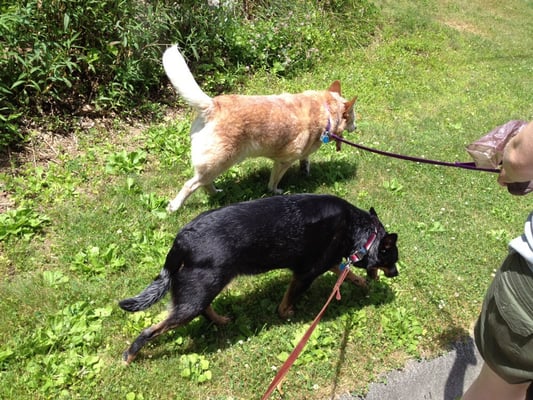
[{"x": 437, "y": 76}]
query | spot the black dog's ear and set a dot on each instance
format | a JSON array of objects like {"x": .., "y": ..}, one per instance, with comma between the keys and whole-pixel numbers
[
  {"x": 389, "y": 240},
  {"x": 373, "y": 212}
]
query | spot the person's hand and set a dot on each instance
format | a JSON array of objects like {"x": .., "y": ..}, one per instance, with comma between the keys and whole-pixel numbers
[{"x": 517, "y": 163}]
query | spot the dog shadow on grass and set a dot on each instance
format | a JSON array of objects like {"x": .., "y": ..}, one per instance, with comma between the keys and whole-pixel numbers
[
  {"x": 253, "y": 184},
  {"x": 254, "y": 312}
]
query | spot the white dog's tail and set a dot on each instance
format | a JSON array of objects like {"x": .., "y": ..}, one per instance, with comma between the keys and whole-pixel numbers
[{"x": 181, "y": 78}]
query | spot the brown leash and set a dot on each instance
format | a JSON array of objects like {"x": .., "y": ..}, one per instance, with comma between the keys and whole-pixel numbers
[{"x": 276, "y": 382}]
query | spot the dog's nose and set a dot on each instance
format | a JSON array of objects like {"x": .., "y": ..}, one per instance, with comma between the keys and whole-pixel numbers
[{"x": 391, "y": 272}]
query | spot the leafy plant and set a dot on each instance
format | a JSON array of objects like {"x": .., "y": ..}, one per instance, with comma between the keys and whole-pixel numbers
[
  {"x": 402, "y": 327},
  {"x": 65, "y": 346},
  {"x": 9, "y": 124},
  {"x": 134, "y": 396},
  {"x": 281, "y": 46},
  {"x": 137, "y": 321},
  {"x": 170, "y": 142},
  {"x": 195, "y": 367},
  {"x": 47, "y": 184},
  {"x": 357, "y": 322},
  {"x": 5, "y": 354},
  {"x": 62, "y": 56},
  {"x": 55, "y": 279},
  {"x": 154, "y": 203},
  {"x": 22, "y": 223},
  {"x": 151, "y": 246},
  {"x": 126, "y": 162},
  {"x": 97, "y": 262},
  {"x": 317, "y": 348},
  {"x": 434, "y": 227},
  {"x": 393, "y": 185},
  {"x": 500, "y": 235}
]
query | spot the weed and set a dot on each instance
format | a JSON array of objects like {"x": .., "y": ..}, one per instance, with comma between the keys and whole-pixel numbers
[
  {"x": 195, "y": 367},
  {"x": 500, "y": 235},
  {"x": 55, "y": 279},
  {"x": 138, "y": 321},
  {"x": 97, "y": 262},
  {"x": 357, "y": 322},
  {"x": 434, "y": 227},
  {"x": 155, "y": 204},
  {"x": 402, "y": 328},
  {"x": 151, "y": 246},
  {"x": 61, "y": 56},
  {"x": 65, "y": 346},
  {"x": 394, "y": 186},
  {"x": 5, "y": 354},
  {"x": 318, "y": 347},
  {"x": 126, "y": 162},
  {"x": 21, "y": 223},
  {"x": 169, "y": 142},
  {"x": 49, "y": 184},
  {"x": 134, "y": 396}
]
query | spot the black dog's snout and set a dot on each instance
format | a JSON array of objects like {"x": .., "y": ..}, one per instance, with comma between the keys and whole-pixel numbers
[{"x": 391, "y": 272}]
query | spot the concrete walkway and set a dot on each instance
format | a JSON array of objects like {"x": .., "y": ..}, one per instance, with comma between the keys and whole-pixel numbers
[{"x": 443, "y": 378}]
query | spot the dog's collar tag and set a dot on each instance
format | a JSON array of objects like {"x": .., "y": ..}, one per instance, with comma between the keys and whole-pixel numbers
[{"x": 324, "y": 138}]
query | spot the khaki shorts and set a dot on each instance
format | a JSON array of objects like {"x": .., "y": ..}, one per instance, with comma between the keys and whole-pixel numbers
[{"x": 504, "y": 330}]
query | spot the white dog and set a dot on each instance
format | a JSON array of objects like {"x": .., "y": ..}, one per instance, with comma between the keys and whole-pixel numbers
[{"x": 229, "y": 128}]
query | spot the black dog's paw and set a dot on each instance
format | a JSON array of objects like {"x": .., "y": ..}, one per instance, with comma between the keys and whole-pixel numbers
[
  {"x": 285, "y": 311},
  {"x": 127, "y": 357}
]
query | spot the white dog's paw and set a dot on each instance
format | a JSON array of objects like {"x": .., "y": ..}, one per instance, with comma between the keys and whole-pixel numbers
[{"x": 172, "y": 207}]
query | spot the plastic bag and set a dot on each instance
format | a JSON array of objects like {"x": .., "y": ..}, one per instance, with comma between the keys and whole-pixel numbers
[{"x": 487, "y": 152}]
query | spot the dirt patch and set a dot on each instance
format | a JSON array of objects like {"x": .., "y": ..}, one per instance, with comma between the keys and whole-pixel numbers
[
  {"x": 45, "y": 146},
  {"x": 5, "y": 202},
  {"x": 463, "y": 26}
]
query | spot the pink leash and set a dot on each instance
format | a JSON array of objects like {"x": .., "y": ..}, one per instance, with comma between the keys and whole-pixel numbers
[{"x": 464, "y": 165}]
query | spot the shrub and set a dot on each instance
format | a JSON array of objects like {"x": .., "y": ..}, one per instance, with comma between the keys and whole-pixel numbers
[{"x": 62, "y": 56}]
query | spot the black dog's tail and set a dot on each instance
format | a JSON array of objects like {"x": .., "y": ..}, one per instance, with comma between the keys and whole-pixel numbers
[{"x": 157, "y": 289}]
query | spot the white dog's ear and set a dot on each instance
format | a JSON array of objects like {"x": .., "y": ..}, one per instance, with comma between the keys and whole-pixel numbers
[
  {"x": 349, "y": 104},
  {"x": 335, "y": 87}
]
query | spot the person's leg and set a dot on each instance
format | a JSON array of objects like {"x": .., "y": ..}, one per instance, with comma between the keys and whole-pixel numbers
[{"x": 489, "y": 386}]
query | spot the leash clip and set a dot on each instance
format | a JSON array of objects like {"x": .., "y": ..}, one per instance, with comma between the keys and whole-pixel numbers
[
  {"x": 359, "y": 254},
  {"x": 344, "y": 265}
]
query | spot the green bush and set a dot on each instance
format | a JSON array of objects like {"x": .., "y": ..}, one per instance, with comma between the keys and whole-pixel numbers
[{"x": 61, "y": 56}]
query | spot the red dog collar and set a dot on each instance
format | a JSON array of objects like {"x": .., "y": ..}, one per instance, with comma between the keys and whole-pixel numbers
[{"x": 359, "y": 254}]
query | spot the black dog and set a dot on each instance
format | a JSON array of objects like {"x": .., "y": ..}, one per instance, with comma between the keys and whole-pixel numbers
[{"x": 309, "y": 234}]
